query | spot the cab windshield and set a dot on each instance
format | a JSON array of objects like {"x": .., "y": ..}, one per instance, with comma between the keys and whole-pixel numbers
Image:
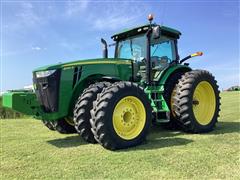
[{"x": 135, "y": 48}]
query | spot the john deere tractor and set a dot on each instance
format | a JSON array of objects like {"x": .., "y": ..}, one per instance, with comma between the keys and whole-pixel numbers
[{"x": 114, "y": 101}]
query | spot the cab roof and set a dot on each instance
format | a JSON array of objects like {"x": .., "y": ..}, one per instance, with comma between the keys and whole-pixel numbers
[{"x": 167, "y": 31}]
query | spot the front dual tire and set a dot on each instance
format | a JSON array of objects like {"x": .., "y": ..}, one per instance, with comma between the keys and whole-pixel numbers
[
  {"x": 122, "y": 116},
  {"x": 82, "y": 109}
]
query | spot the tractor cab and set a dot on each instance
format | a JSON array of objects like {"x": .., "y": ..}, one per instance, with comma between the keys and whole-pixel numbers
[{"x": 158, "y": 49}]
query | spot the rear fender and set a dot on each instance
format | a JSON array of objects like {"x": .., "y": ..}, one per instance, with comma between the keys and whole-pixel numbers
[
  {"x": 163, "y": 77},
  {"x": 167, "y": 73}
]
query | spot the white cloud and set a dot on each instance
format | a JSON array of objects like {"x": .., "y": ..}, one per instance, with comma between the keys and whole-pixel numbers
[
  {"x": 114, "y": 16},
  {"x": 114, "y": 22},
  {"x": 74, "y": 8},
  {"x": 36, "y": 48},
  {"x": 30, "y": 15},
  {"x": 27, "y": 15}
]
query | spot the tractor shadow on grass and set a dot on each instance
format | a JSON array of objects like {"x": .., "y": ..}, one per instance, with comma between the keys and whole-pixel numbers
[
  {"x": 67, "y": 142},
  {"x": 161, "y": 138},
  {"x": 158, "y": 137},
  {"x": 161, "y": 142},
  {"x": 226, "y": 128}
]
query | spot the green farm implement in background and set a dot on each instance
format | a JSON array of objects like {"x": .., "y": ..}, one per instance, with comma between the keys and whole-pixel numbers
[{"x": 113, "y": 101}]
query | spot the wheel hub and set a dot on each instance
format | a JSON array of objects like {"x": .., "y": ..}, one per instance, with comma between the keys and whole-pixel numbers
[
  {"x": 129, "y": 117},
  {"x": 195, "y": 102},
  {"x": 204, "y": 103}
]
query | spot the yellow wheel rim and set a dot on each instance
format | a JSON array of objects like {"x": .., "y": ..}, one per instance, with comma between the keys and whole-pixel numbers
[
  {"x": 204, "y": 103},
  {"x": 129, "y": 117}
]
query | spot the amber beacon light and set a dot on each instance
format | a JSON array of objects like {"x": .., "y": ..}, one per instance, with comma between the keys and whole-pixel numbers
[{"x": 150, "y": 17}]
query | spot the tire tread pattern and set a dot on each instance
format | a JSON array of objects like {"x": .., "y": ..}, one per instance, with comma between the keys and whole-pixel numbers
[
  {"x": 82, "y": 110},
  {"x": 99, "y": 114},
  {"x": 63, "y": 127},
  {"x": 183, "y": 101}
]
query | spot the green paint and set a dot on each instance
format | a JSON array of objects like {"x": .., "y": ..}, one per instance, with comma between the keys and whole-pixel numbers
[
  {"x": 92, "y": 71},
  {"x": 135, "y": 30},
  {"x": 83, "y": 62},
  {"x": 159, "y": 104},
  {"x": 22, "y": 101},
  {"x": 164, "y": 75}
]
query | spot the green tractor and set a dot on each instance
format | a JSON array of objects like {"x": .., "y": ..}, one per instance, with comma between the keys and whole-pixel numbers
[{"x": 114, "y": 101}]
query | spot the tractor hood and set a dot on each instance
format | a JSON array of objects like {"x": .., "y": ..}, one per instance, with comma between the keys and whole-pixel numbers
[{"x": 83, "y": 62}]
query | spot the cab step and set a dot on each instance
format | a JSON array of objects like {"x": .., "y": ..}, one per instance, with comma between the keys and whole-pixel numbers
[{"x": 162, "y": 120}]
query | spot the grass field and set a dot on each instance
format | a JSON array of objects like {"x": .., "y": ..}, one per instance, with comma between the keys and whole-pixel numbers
[{"x": 31, "y": 151}]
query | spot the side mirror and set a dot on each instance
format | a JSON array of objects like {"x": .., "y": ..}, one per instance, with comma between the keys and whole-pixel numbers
[{"x": 156, "y": 32}]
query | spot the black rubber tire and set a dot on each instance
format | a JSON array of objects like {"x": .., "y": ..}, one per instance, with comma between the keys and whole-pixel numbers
[
  {"x": 48, "y": 124},
  {"x": 169, "y": 87},
  {"x": 102, "y": 125},
  {"x": 183, "y": 101},
  {"x": 82, "y": 109},
  {"x": 63, "y": 127}
]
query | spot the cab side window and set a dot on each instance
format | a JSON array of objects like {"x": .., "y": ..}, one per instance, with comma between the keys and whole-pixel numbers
[
  {"x": 133, "y": 48},
  {"x": 163, "y": 49}
]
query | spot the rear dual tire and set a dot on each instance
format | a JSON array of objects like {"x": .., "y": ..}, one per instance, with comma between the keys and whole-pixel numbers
[
  {"x": 169, "y": 93},
  {"x": 196, "y": 103}
]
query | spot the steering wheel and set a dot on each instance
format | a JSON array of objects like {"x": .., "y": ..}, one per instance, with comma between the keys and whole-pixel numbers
[
  {"x": 143, "y": 60},
  {"x": 165, "y": 58},
  {"x": 160, "y": 62}
]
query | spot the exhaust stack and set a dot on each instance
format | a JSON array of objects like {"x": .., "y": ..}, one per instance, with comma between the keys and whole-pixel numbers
[{"x": 105, "y": 49}]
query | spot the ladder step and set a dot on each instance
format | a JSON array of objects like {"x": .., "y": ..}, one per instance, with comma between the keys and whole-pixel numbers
[
  {"x": 156, "y": 91},
  {"x": 160, "y": 110},
  {"x": 158, "y": 100},
  {"x": 162, "y": 120}
]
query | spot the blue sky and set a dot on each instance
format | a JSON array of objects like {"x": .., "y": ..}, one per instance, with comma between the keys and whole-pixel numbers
[{"x": 37, "y": 33}]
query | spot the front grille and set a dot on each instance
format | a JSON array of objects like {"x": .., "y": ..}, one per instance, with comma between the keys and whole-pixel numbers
[{"x": 47, "y": 91}]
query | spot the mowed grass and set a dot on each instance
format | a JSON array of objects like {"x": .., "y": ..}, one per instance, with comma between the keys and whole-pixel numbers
[{"x": 30, "y": 151}]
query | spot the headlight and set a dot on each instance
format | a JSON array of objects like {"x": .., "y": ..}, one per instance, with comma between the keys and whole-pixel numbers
[{"x": 42, "y": 74}]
